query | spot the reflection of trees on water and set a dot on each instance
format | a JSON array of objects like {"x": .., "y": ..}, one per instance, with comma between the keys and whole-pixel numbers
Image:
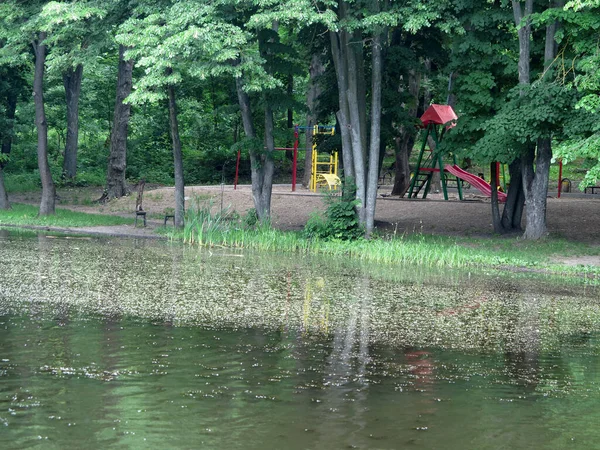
[{"x": 346, "y": 386}]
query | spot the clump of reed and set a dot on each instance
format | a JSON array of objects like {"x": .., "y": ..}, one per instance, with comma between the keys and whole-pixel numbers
[{"x": 209, "y": 226}]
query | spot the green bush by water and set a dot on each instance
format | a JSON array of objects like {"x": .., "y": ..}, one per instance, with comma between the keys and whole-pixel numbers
[{"x": 340, "y": 220}]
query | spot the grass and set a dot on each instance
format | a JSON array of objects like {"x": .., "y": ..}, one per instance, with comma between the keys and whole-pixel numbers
[
  {"x": 204, "y": 228},
  {"x": 21, "y": 214}
]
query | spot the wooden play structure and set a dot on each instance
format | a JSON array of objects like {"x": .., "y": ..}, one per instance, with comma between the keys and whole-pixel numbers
[{"x": 436, "y": 121}]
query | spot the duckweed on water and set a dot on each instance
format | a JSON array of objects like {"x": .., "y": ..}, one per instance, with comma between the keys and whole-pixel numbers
[
  {"x": 216, "y": 288},
  {"x": 136, "y": 344}
]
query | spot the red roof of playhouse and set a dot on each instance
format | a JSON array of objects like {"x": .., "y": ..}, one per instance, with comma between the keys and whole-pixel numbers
[{"x": 438, "y": 115}]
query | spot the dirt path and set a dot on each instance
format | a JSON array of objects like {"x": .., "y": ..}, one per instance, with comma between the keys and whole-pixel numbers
[{"x": 575, "y": 218}]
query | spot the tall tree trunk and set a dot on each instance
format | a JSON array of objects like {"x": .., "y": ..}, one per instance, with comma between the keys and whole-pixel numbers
[
  {"x": 177, "y": 160},
  {"x": 47, "y": 203},
  {"x": 116, "y": 186},
  {"x": 535, "y": 182},
  {"x": 72, "y": 82},
  {"x": 263, "y": 208},
  {"x": 7, "y": 136},
  {"x": 375, "y": 147},
  {"x": 515, "y": 199},
  {"x": 356, "y": 132},
  {"x": 4, "y": 203},
  {"x": 524, "y": 35},
  {"x": 406, "y": 140},
  {"x": 312, "y": 97},
  {"x": 496, "y": 220},
  {"x": 338, "y": 52},
  {"x": 535, "y": 186},
  {"x": 357, "y": 46},
  {"x": 261, "y": 162}
]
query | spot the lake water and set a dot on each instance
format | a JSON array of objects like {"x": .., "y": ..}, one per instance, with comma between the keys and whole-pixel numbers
[{"x": 136, "y": 344}]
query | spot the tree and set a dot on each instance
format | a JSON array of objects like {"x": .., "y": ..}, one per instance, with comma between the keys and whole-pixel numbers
[
  {"x": 12, "y": 85},
  {"x": 24, "y": 25},
  {"x": 77, "y": 36},
  {"x": 116, "y": 184},
  {"x": 580, "y": 21},
  {"x": 37, "y": 24},
  {"x": 47, "y": 204},
  {"x": 521, "y": 130},
  {"x": 482, "y": 75}
]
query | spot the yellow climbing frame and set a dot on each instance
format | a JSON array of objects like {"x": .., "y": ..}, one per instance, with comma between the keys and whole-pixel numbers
[{"x": 324, "y": 171}]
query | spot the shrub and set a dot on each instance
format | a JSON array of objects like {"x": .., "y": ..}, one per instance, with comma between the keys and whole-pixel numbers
[{"x": 340, "y": 221}]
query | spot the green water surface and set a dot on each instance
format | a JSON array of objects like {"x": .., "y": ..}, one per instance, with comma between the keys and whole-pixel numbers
[{"x": 129, "y": 344}]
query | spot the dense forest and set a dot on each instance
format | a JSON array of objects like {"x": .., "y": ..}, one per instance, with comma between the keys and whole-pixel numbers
[{"x": 110, "y": 91}]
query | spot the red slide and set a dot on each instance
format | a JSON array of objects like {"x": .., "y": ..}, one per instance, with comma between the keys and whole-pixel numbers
[{"x": 474, "y": 181}]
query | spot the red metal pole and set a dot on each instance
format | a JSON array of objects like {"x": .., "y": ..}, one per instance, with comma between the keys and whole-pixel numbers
[
  {"x": 237, "y": 170},
  {"x": 295, "y": 163},
  {"x": 559, "y": 177}
]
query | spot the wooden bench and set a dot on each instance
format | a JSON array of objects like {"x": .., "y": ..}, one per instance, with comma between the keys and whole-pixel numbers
[
  {"x": 139, "y": 210},
  {"x": 592, "y": 189},
  {"x": 167, "y": 217}
]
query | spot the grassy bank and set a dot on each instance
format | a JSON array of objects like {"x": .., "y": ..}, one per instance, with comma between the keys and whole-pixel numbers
[
  {"x": 21, "y": 214},
  {"x": 417, "y": 249},
  {"x": 205, "y": 229}
]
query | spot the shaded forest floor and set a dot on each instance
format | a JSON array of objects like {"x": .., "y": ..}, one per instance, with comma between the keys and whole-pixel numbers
[{"x": 574, "y": 217}]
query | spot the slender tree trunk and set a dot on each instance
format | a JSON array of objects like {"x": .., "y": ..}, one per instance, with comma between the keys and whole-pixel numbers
[
  {"x": 268, "y": 167},
  {"x": 261, "y": 163},
  {"x": 406, "y": 140},
  {"x": 7, "y": 136},
  {"x": 524, "y": 35},
  {"x": 290, "y": 93},
  {"x": 535, "y": 182},
  {"x": 312, "y": 97},
  {"x": 375, "y": 144},
  {"x": 72, "y": 82},
  {"x": 177, "y": 160},
  {"x": 47, "y": 203},
  {"x": 356, "y": 45},
  {"x": 515, "y": 199},
  {"x": 116, "y": 186},
  {"x": 244, "y": 102},
  {"x": 356, "y": 133},
  {"x": 496, "y": 220},
  {"x": 338, "y": 44}
]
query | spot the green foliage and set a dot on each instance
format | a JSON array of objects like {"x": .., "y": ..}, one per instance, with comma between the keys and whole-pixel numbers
[
  {"x": 340, "y": 221},
  {"x": 250, "y": 218},
  {"x": 538, "y": 111}
]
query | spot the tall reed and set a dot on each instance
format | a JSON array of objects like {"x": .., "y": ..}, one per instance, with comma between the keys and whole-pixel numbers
[{"x": 205, "y": 227}]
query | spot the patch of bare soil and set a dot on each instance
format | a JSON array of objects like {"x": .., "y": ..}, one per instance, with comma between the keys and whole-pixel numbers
[{"x": 573, "y": 218}]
